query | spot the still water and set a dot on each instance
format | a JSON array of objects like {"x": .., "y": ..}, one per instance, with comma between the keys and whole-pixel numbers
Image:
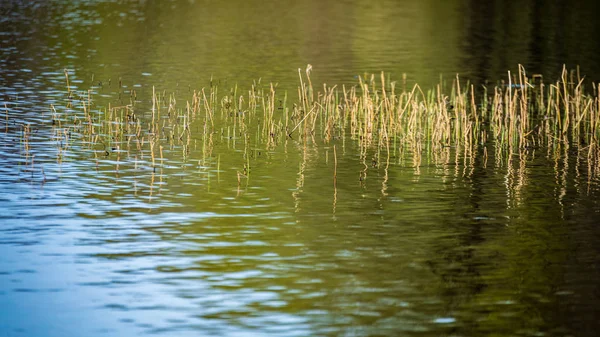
[{"x": 94, "y": 241}]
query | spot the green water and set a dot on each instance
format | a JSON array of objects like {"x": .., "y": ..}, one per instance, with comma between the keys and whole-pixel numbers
[{"x": 96, "y": 240}]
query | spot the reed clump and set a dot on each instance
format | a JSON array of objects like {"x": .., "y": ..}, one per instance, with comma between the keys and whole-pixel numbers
[{"x": 385, "y": 120}]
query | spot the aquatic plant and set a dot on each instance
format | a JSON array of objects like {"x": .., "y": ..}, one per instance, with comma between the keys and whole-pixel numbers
[{"x": 386, "y": 121}]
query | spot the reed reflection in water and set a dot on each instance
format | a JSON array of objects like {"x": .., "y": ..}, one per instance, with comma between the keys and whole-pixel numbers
[{"x": 217, "y": 217}]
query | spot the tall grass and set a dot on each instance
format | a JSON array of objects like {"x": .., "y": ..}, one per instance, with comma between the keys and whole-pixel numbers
[{"x": 385, "y": 120}]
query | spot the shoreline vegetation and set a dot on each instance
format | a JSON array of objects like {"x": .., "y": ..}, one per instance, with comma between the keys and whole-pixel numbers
[{"x": 383, "y": 117}]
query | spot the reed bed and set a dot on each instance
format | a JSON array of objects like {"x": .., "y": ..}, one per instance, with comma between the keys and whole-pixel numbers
[{"x": 385, "y": 120}]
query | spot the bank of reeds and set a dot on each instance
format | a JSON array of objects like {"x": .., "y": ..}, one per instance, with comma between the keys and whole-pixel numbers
[{"x": 522, "y": 113}]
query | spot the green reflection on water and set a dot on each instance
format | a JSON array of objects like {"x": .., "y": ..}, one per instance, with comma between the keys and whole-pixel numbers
[{"x": 442, "y": 248}]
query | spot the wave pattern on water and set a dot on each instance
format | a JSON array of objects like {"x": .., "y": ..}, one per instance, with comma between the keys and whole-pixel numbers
[{"x": 218, "y": 235}]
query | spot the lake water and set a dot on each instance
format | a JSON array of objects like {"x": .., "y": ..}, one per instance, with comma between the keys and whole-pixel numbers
[{"x": 233, "y": 235}]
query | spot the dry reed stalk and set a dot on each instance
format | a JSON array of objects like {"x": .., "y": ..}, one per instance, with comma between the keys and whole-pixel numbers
[
  {"x": 310, "y": 87},
  {"x": 521, "y": 115},
  {"x": 68, "y": 85},
  {"x": 207, "y": 108}
]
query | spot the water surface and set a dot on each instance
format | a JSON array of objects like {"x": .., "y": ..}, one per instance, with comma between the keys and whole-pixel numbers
[{"x": 96, "y": 241}]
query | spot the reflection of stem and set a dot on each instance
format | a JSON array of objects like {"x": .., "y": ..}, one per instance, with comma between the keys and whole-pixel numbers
[
  {"x": 563, "y": 178},
  {"x": 152, "y": 155},
  {"x": 117, "y": 164},
  {"x": 153, "y": 103},
  {"x": 151, "y": 187},
  {"x": 385, "y": 176},
  {"x": 509, "y": 179},
  {"x": 363, "y": 172},
  {"x": 240, "y": 175},
  {"x": 161, "y": 157},
  {"x": 334, "y": 179},
  {"x": 334, "y": 200},
  {"x": 160, "y": 180},
  {"x": 299, "y": 181},
  {"x": 334, "y": 167},
  {"x": 485, "y": 157}
]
